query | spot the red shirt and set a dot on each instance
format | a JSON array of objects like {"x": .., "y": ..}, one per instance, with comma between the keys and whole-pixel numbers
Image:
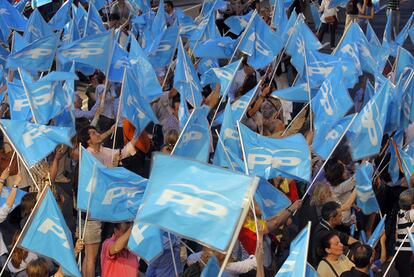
[{"x": 124, "y": 263}]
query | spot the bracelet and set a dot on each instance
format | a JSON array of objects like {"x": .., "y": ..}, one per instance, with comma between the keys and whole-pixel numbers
[{"x": 14, "y": 186}]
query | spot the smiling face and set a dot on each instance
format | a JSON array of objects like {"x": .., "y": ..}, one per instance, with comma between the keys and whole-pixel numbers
[{"x": 336, "y": 248}]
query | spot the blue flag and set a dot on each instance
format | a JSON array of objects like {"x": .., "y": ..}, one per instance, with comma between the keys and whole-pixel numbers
[
  {"x": 48, "y": 235},
  {"x": 377, "y": 232},
  {"x": 70, "y": 32},
  {"x": 366, "y": 199},
  {"x": 39, "y": 3},
  {"x": 403, "y": 34},
  {"x": 6, "y": 192},
  {"x": 269, "y": 157},
  {"x": 33, "y": 141},
  {"x": 366, "y": 133},
  {"x": 371, "y": 36},
  {"x": 296, "y": 93},
  {"x": 37, "y": 27},
  {"x": 336, "y": 3},
  {"x": 270, "y": 200},
  {"x": 159, "y": 24},
  {"x": 4, "y": 31},
  {"x": 79, "y": 14},
  {"x": 238, "y": 23},
  {"x": 94, "y": 50},
  {"x": 134, "y": 106},
  {"x": 94, "y": 24},
  {"x": 13, "y": 18},
  {"x": 37, "y": 56},
  {"x": 222, "y": 75},
  {"x": 280, "y": 20},
  {"x": 195, "y": 200},
  {"x": 212, "y": 268},
  {"x": 187, "y": 26},
  {"x": 411, "y": 239},
  {"x": 99, "y": 4},
  {"x": 120, "y": 62},
  {"x": 21, "y": 5},
  {"x": 194, "y": 141},
  {"x": 295, "y": 264},
  {"x": 164, "y": 49},
  {"x": 332, "y": 101},
  {"x": 328, "y": 135},
  {"x": 183, "y": 112},
  {"x": 18, "y": 42},
  {"x": 260, "y": 43},
  {"x": 146, "y": 241},
  {"x": 61, "y": 17},
  {"x": 407, "y": 161},
  {"x": 4, "y": 53},
  {"x": 116, "y": 192},
  {"x": 220, "y": 48},
  {"x": 206, "y": 29},
  {"x": 315, "y": 14},
  {"x": 405, "y": 60},
  {"x": 205, "y": 64},
  {"x": 19, "y": 105},
  {"x": 144, "y": 71},
  {"x": 186, "y": 79}
]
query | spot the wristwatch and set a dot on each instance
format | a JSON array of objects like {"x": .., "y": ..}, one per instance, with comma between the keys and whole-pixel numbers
[{"x": 15, "y": 186}]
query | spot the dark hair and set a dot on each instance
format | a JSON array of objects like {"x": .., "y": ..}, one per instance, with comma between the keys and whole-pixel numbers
[
  {"x": 100, "y": 77},
  {"x": 114, "y": 16},
  {"x": 325, "y": 243},
  {"x": 27, "y": 204},
  {"x": 329, "y": 210},
  {"x": 83, "y": 136},
  {"x": 169, "y": 3},
  {"x": 362, "y": 255},
  {"x": 334, "y": 173}
]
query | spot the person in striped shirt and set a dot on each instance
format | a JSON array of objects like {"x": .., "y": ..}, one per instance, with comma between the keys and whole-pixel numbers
[{"x": 405, "y": 219}]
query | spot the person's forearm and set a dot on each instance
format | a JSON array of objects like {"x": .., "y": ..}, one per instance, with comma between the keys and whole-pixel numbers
[
  {"x": 120, "y": 243},
  {"x": 11, "y": 197},
  {"x": 276, "y": 221},
  {"x": 256, "y": 106}
]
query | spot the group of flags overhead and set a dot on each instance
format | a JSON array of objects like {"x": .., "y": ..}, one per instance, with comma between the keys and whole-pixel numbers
[{"x": 183, "y": 191}]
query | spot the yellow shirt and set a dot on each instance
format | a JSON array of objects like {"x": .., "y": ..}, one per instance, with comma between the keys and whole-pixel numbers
[{"x": 341, "y": 265}]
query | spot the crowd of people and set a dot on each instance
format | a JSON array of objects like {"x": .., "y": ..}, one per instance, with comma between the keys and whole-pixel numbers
[{"x": 336, "y": 245}]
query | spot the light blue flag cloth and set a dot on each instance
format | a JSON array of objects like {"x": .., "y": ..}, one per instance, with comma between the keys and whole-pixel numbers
[
  {"x": 310, "y": 271},
  {"x": 119, "y": 62},
  {"x": 337, "y": 3},
  {"x": 406, "y": 84},
  {"x": 393, "y": 167},
  {"x": 37, "y": 56},
  {"x": 99, "y": 4},
  {"x": 403, "y": 34},
  {"x": 260, "y": 43},
  {"x": 290, "y": 27},
  {"x": 94, "y": 24},
  {"x": 295, "y": 46},
  {"x": 183, "y": 112},
  {"x": 327, "y": 136},
  {"x": 134, "y": 106},
  {"x": 407, "y": 161},
  {"x": 209, "y": 6},
  {"x": 186, "y": 79},
  {"x": 39, "y": 3},
  {"x": 362, "y": 236},
  {"x": 366, "y": 133},
  {"x": 366, "y": 199},
  {"x": 195, "y": 200},
  {"x": 295, "y": 264},
  {"x": 212, "y": 268},
  {"x": 186, "y": 25},
  {"x": 79, "y": 14},
  {"x": 21, "y": 5},
  {"x": 61, "y": 17},
  {"x": 13, "y": 18},
  {"x": 315, "y": 14},
  {"x": 411, "y": 34},
  {"x": 369, "y": 92},
  {"x": 332, "y": 101},
  {"x": 19, "y": 105},
  {"x": 372, "y": 57},
  {"x": 164, "y": 50},
  {"x": 270, "y": 200},
  {"x": 70, "y": 32},
  {"x": 377, "y": 232},
  {"x": 33, "y": 141},
  {"x": 387, "y": 41},
  {"x": 37, "y": 27},
  {"x": 159, "y": 24},
  {"x": 4, "y": 31},
  {"x": 4, "y": 53},
  {"x": 371, "y": 36},
  {"x": 94, "y": 50},
  {"x": 393, "y": 118},
  {"x": 146, "y": 241},
  {"x": 206, "y": 28},
  {"x": 195, "y": 139},
  {"x": 296, "y": 93},
  {"x": 411, "y": 239},
  {"x": 280, "y": 19},
  {"x": 238, "y": 23},
  {"x": 221, "y": 75},
  {"x": 220, "y": 48},
  {"x": 271, "y": 157},
  {"x": 405, "y": 60},
  {"x": 18, "y": 42},
  {"x": 144, "y": 71},
  {"x": 5, "y": 193},
  {"x": 205, "y": 64},
  {"x": 48, "y": 235},
  {"x": 116, "y": 192}
]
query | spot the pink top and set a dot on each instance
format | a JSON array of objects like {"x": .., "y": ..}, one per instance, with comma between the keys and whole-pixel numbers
[{"x": 124, "y": 263}]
